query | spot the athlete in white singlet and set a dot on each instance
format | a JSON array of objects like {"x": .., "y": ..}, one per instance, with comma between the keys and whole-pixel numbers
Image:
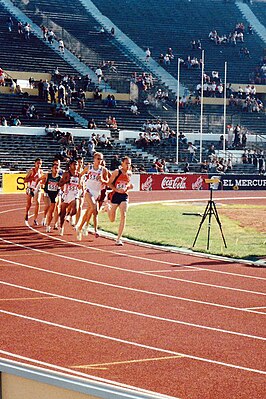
[
  {"x": 95, "y": 177},
  {"x": 70, "y": 184}
]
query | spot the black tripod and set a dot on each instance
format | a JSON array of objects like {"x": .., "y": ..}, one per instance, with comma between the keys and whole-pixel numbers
[{"x": 210, "y": 210}]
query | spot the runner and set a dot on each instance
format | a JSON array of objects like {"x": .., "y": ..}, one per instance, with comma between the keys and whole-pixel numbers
[
  {"x": 81, "y": 193},
  {"x": 51, "y": 189},
  {"x": 57, "y": 162},
  {"x": 103, "y": 199},
  {"x": 95, "y": 176},
  {"x": 47, "y": 201},
  {"x": 120, "y": 184},
  {"x": 70, "y": 184},
  {"x": 33, "y": 191}
]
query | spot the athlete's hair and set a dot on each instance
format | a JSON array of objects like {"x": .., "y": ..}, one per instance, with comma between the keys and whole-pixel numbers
[
  {"x": 125, "y": 158},
  {"x": 38, "y": 159},
  {"x": 97, "y": 154}
]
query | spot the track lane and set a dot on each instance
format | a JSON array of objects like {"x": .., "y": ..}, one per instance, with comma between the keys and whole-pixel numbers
[{"x": 190, "y": 369}]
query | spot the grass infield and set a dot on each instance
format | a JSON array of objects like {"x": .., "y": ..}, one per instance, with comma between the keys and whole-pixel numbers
[{"x": 176, "y": 224}]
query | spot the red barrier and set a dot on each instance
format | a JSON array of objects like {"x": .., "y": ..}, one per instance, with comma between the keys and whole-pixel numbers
[{"x": 152, "y": 182}]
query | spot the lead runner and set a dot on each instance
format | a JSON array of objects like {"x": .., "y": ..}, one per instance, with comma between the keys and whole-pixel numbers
[{"x": 120, "y": 184}]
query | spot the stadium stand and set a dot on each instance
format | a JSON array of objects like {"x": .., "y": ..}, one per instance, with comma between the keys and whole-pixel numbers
[
  {"x": 171, "y": 31},
  {"x": 180, "y": 23}
]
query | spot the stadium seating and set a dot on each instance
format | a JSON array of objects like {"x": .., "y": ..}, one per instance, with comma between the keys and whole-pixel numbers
[
  {"x": 15, "y": 156},
  {"x": 174, "y": 26},
  {"x": 180, "y": 22}
]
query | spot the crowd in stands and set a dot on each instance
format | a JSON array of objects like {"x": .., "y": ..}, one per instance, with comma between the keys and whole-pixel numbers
[
  {"x": 245, "y": 100},
  {"x": 234, "y": 37},
  {"x": 12, "y": 120},
  {"x": 259, "y": 75},
  {"x": 255, "y": 157},
  {"x": 68, "y": 147},
  {"x": 23, "y": 30}
]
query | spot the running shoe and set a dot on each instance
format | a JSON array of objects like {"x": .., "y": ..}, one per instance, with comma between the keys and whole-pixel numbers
[
  {"x": 72, "y": 221},
  {"x": 96, "y": 234},
  {"x": 61, "y": 231},
  {"x": 79, "y": 235},
  {"x": 48, "y": 229},
  {"x": 56, "y": 226},
  {"x": 119, "y": 243},
  {"x": 85, "y": 231},
  {"x": 35, "y": 222},
  {"x": 67, "y": 218},
  {"x": 44, "y": 222},
  {"x": 106, "y": 207},
  {"x": 27, "y": 220}
]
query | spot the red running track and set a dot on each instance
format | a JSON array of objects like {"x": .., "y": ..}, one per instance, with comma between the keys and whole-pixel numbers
[{"x": 177, "y": 324}]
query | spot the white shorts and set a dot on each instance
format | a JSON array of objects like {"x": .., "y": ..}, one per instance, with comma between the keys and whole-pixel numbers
[
  {"x": 93, "y": 193},
  {"x": 69, "y": 197}
]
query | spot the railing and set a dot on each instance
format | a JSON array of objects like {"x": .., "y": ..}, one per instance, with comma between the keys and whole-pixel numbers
[{"x": 61, "y": 380}]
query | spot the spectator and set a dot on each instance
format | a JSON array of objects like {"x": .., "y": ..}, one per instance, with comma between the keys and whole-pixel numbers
[
  {"x": 186, "y": 168},
  {"x": 50, "y": 36},
  {"x": 2, "y": 77},
  {"x": 9, "y": 24},
  {"x": 92, "y": 124},
  {"x": 27, "y": 30},
  {"x": 81, "y": 98},
  {"x": 61, "y": 46},
  {"x": 191, "y": 153},
  {"x": 97, "y": 94},
  {"x": 99, "y": 74},
  {"x": 134, "y": 109},
  {"x": 91, "y": 148},
  {"x": 148, "y": 55},
  {"x": 3, "y": 121}
]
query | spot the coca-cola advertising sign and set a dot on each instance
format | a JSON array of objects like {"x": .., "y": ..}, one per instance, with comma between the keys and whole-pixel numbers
[{"x": 151, "y": 182}]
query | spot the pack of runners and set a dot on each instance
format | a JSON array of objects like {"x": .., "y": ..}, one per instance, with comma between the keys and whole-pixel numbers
[{"x": 77, "y": 194}]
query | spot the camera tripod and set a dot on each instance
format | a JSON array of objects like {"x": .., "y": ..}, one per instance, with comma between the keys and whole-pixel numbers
[{"x": 209, "y": 211}]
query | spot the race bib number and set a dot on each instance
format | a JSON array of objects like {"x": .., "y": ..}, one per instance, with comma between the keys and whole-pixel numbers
[
  {"x": 33, "y": 184},
  {"x": 72, "y": 187},
  {"x": 122, "y": 186},
  {"x": 52, "y": 186}
]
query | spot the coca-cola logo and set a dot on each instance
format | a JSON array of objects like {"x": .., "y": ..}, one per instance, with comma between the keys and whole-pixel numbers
[
  {"x": 147, "y": 185},
  {"x": 177, "y": 183},
  {"x": 197, "y": 185}
]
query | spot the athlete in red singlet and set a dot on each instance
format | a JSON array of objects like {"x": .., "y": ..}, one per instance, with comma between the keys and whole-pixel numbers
[
  {"x": 33, "y": 191},
  {"x": 120, "y": 184}
]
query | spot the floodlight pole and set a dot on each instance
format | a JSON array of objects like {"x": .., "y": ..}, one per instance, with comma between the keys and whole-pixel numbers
[
  {"x": 177, "y": 110},
  {"x": 201, "y": 103},
  {"x": 224, "y": 128}
]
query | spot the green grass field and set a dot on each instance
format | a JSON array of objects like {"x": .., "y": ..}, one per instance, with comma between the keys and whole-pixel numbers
[{"x": 166, "y": 224}]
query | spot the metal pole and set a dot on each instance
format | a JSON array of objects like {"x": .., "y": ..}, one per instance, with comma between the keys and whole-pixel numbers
[
  {"x": 201, "y": 104},
  {"x": 177, "y": 110},
  {"x": 224, "y": 129}
]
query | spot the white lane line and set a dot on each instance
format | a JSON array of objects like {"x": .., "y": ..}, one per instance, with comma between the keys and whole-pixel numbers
[
  {"x": 172, "y": 270},
  {"x": 145, "y": 315},
  {"x": 137, "y": 272},
  {"x": 123, "y": 341},
  {"x": 130, "y": 289},
  {"x": 196, "y": 200},
  {"x": 256, "y": 307},
  {"x": 71, "y": 371},
  {"x": 143, "y": 258},
  {"x": 139, "y": 257}
]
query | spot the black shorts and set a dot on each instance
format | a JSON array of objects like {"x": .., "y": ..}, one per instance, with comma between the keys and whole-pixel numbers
[
  {"x": 52, "y": 195},
  {"x": 117, "y": 198}
]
